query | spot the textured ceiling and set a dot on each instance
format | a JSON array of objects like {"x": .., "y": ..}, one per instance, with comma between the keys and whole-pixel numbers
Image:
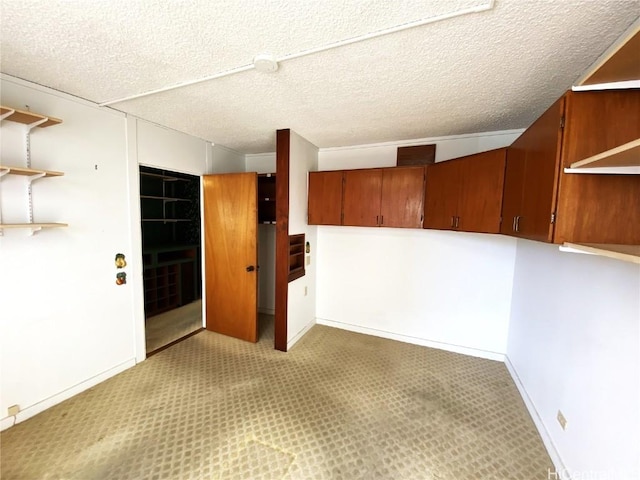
[{"x": 486, "y": 71}]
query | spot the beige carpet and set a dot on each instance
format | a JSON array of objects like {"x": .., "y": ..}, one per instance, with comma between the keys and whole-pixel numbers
[
  {"x": 167, "y": 327},
  {"x": 339, "y": 405}
]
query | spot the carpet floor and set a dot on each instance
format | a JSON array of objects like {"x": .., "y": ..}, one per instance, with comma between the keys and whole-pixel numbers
[{"x": 339, "y": 405}]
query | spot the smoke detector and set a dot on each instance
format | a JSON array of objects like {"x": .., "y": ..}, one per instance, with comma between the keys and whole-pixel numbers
[{"x": 265, "y": 62}]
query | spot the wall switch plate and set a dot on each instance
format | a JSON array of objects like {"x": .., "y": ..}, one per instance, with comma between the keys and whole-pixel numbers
[
  {"x": 561, "y": 420},
  {"x": 308, "y": 260},
  {"x": 13, "y": 410},
  {"x": 305, "y": 291}
]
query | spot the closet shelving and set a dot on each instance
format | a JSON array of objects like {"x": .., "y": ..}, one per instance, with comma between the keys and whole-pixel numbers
[
  {"x": 166, "y": 196},
  {"x": 31, "y": 120}
]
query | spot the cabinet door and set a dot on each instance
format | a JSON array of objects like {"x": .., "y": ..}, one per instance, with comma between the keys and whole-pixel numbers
[
  {"x": 542, "y": 142},
  {"x": 402, "y": 197},
  {"x": 513, "y": 188},
  {"x": 362, "y": 193},
  {"x": 480, "y": 200},
  {"x": 325, "y": 198},
  {"x": 441, "y": 195}
]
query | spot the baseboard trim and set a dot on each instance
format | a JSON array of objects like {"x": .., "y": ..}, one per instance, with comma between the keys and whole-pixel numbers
[
  {"x": 473, "y": 352},
  {"x": 300, "y": 334},
  {"x": 43, "y": 405},
  {"x": 537, "y": 420}
]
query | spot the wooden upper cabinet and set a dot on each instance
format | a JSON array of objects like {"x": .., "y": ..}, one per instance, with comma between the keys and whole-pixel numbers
[
  {"x": 325, "y": 198},
  {"x": 402, "y": 197},
  {"x": 441, "y": 195},
  {"x": 542, "y": 202},
  {"x": 531, "y": 179},
  {"x": 466, "y": 194},
  {"x": 595, "y": 208},
  {"x": 362, "y": 195},
  {"x": 480, "y": 199}
]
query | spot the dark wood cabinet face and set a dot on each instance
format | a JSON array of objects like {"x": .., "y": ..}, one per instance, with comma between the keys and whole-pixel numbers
[
  {"x": 325, "y": 198},
  {"x": 362, "y": 196},
  {"x": 402, "y": 197},
  {"x": 441, "y": 195},
  {"x": 531, "y": 180},
  {"x": 480, "y": 199}
]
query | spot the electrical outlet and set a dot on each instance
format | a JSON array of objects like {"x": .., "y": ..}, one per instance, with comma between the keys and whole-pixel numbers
[
  {"x": 308, "y": 260},
  {"x": 13, "y": 410},
  {"x": 561, "y": 420}
]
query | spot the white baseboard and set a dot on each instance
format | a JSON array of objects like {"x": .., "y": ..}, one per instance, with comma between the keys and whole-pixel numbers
[
  {"x": 537, "y": 420},
  {"x": 473, "y": 352},
  {"x": 300, "y": 334},
  {"x": 40, "y": 407}
]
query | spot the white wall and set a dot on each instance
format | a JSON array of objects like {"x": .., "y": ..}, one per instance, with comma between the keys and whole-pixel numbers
[
  {"x": 448, "y": 290},
  {"x": 225, "y": 160},
  {"x": 574, "y": 346},
  {"x": 301, "y": 307},
  {"x": 64, "y": 323}
]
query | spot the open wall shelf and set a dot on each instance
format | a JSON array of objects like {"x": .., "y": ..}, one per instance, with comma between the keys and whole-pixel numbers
[
  {"x": 626, "y": 253},
  {"x": 27, "y": 118},
  {"x": 623, "y": 159},
  {"x": 28, "y": 172}
]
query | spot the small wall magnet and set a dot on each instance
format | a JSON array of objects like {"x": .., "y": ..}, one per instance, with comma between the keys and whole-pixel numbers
[
  {"x": 121, "y": 278},
  {"x": 120, "y": 260}
]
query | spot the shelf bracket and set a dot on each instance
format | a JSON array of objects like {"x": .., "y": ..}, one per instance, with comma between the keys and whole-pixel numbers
[
  {"x": 7, "y": 114},
  {"x": 4, "y": 171},
  {"x": 31, "y": 179},
  {"x": 30, "y": 127}
]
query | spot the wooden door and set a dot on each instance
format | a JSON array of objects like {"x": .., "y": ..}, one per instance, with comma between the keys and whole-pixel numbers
[
  {"x": 542, "y": 142},
  {"x": 231, "y": 254},
  {"x": 325, "y": 198},
  {"x": 441, "y": 195},
  {"x": 482, "y": 182},
  {"x": 513, "y": 188},
  {"x": 402, "y": 197},
  {"x": 362, "y": 194}
]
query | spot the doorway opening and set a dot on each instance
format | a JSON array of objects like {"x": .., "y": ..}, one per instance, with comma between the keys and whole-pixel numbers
[{"x": 171, "y": 253}]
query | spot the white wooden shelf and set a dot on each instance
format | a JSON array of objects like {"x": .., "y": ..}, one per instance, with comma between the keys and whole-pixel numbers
[
  {"x": 27, "y": 118},
  {"x": 34, "y": 227},
  {"x": 623, "y": 159},
  {"x": 627, "y": 253},
  {"x": 28, "y": 172}
]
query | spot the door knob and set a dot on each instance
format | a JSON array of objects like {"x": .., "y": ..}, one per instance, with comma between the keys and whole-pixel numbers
[{"x": 250, "y": 268}]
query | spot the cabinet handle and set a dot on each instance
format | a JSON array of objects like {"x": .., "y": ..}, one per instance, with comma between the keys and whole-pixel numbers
[
  {"x": 457, "y": 222},
  {"x": 517, "y": 223},
  {"x": 453, "y": 222},
  {"x": 381, "y": 219},
  {"x": 513, "y": 225},
  {"x": 377, "y": 222}
]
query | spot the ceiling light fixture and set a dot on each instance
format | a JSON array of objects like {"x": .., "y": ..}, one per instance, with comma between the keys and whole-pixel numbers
[{"x": 265, "y": 62}]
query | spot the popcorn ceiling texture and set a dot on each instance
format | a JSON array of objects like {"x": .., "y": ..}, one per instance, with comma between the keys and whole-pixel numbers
[{"x": 482, "y": 72}]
